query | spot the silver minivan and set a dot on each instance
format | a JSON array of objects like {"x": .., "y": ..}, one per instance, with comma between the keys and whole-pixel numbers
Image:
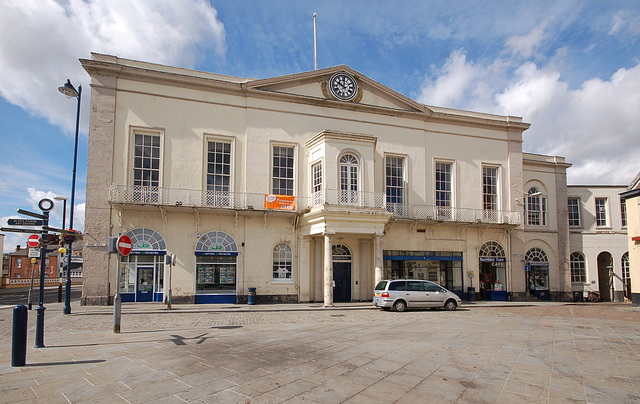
[{"x": 401, "y": 294}]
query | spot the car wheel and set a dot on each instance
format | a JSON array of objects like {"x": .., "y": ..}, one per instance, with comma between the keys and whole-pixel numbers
[
  {"x": 450, "y": 305},
  {"x": 399, "y": 306}
]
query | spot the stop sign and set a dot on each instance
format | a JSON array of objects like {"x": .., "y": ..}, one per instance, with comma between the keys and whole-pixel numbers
[
  {"x": 124, "y": 245},
  {"x": 33, "y": 241}
]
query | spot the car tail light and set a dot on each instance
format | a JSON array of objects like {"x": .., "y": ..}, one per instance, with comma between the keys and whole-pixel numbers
[{"x": 385, "y": 294}]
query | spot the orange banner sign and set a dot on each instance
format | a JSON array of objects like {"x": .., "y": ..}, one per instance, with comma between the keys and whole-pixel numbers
[{"x": 280, "y": 202}]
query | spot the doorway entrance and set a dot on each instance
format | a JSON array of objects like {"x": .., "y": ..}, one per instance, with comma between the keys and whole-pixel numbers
[
  {"x": 605, "y": 266},
  {"x": 341, "y": 273}
]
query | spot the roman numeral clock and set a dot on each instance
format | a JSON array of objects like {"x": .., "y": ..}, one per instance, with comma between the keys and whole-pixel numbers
[{"x": 343, "y": 86}]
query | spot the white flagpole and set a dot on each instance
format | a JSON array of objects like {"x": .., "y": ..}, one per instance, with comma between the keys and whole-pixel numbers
[{"x": 315, "y": 52}]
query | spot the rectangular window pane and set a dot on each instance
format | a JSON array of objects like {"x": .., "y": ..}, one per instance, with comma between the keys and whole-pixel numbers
[
  {"x": 623, "y": 213},
  {"x": 574, "y": 212},
  {"x": 218, "y": 166},
  {"x": 601, "y": 211},
  {"x": 146, "y": 160},
  {"x": 443, "y": 184},
  {"x": 317, "y": 177},
  {"x": 283, "y": 170},
  {"x": 490, "y": 188},
  {"x": 395, "y": 180}
]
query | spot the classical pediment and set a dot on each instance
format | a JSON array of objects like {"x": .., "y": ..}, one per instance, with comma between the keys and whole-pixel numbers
[{"x": 348, "y": 89}]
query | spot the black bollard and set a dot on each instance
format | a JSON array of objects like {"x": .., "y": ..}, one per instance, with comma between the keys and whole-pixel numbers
[
  {"x": 59, "y": 292},
  {"x": 19, "y": 342}
]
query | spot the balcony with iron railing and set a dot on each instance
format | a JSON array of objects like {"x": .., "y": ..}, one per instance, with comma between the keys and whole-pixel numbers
[{"x": 120, "y": 194}]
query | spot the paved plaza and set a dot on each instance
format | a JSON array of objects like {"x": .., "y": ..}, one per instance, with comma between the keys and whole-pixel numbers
[{"x": 483, "y": 353}]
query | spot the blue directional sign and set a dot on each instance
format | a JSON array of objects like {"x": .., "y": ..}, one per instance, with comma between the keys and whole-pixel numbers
[{"x": 25, "y": 222}]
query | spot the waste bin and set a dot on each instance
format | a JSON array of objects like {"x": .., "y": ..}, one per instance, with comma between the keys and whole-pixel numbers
[
  {"x": 577, "y": 296},
  {"x": 471, "y": 294},
  {"x": 252, "y": 296}
]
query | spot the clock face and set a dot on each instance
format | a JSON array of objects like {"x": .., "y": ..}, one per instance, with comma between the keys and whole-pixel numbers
[{"x": 343, "y": 86}]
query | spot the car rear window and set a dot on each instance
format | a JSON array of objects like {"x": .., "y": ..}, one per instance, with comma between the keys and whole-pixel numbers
[
  {"x": 399, "y": 285},
  {"x": 381, "y": 285}
]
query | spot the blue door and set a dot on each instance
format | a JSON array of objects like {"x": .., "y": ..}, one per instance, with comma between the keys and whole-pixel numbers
[{"x": 144, "y": 285}]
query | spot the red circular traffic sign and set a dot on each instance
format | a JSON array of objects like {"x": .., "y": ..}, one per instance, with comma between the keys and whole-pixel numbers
[
  {"x": 124, "y": 245},
  {"x": 33, "y": 241}
]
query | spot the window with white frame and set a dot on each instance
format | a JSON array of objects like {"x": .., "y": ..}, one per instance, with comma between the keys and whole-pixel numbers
[
  {"x": 282, "y": 262},
  {"x": 218, "y": 166},
  {"x": 601, "y": 212},
  {"x": 394, "y": 184},
  {"x": 578, "y": 273},
  {"x": 218, "y": 173},
  {"x": 146, "y": 160},
  {"x": 18, "y": 263},
  {"x": 536, "y": 208},
  {"x": 574, "y": 212},
  {"x": 316, "y": 171},
  {"x": 348, "y": 178},
  {"x": 626, "y": 275},
  {"x": 283, "y": 167},
  {"x": 623, "y": 212},
  {"x": 443, "y": 188},
  {"x": 489, "y": 188}
]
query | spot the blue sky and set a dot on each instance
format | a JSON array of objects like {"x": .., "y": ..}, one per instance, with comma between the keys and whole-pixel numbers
[{"x": 570, "y": 68}]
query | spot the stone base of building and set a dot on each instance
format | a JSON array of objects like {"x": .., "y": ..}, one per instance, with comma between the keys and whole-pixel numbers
[
  {"x": 269, "y": 299},
  {"x": 96, "y": 301},
  {"x": 635, "y": 299}
]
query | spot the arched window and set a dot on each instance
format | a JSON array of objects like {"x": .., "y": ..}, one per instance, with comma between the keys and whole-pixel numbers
[
  {"x": 536, "y": 255},
  {"x": 625, "y": 266},
  {"x": 492, "y": 249},
  {"x": 282, "y": 262},
  {"x": 143, "y": 238},
  {"x": 536, "y": 208},
  {"x": 578, "y": 274},
  {"x": 216, "y": 242},
  {"x": 349, "y": 179}
]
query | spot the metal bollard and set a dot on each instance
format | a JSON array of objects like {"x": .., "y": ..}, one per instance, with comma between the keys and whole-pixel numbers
[
  {"x": 251, "y": 299},
  {"x": 59, "y": 292},
  {"x": 19, "y": 342}
]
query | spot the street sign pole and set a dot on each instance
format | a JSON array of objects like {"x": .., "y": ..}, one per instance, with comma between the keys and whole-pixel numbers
[
  {"x": 124, "y": 247},
  {"x": 45, "y": 205},
  {"x": 117, "y": 301}
]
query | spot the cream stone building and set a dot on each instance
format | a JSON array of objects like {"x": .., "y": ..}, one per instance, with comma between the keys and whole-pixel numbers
[
  {"x": 631, "y": 198},
  {"x": 310, "y": 187},
  {"x": 598, "y": 236}
]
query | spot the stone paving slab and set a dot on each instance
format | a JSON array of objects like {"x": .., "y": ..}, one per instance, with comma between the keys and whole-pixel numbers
[{"x": 353, "y": 354}]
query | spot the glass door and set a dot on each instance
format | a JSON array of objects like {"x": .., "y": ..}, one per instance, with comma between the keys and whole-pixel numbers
[{"x": 144, "y": 290}]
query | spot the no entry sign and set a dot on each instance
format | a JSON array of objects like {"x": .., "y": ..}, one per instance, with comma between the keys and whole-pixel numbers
[
  {"x": 124, "y": 245},
  {"x": 33, "y": 241}
]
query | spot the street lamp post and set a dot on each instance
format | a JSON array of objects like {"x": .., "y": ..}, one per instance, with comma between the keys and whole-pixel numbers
[{"x": 70, "y": 91}]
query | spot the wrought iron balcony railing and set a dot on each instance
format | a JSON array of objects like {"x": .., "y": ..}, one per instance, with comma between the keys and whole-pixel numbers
[{"x": 134, "y": 194}]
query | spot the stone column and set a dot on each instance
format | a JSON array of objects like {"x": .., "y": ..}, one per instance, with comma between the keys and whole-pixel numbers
[
  {"x": 328, "y": 271},
  {"x": 317, "y": 270},
  {"x": 378, "y": 258},
  {"x": 305, "y": 270},
  {"x": 365, "y": 270}
]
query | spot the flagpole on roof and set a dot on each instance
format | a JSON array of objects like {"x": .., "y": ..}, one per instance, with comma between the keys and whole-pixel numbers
[{"x": 315, "y": 52}]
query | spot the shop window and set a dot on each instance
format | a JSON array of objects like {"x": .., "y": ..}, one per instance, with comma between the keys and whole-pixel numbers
[
  {"x": 282, "y": 263},
  {"x": 216, "y": 263}
]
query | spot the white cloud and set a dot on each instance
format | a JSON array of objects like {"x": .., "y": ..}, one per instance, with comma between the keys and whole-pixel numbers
[
  {"x": 525, "y": 45},
  {"x": 594, "y": 126},
  {"x": 48, "y": 37}
]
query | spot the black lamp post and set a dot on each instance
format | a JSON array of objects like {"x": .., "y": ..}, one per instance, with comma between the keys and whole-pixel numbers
[{"x": 70, "y": 91}]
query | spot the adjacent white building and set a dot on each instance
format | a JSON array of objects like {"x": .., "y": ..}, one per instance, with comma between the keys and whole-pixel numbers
[{"x": 311, "y": 187}]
